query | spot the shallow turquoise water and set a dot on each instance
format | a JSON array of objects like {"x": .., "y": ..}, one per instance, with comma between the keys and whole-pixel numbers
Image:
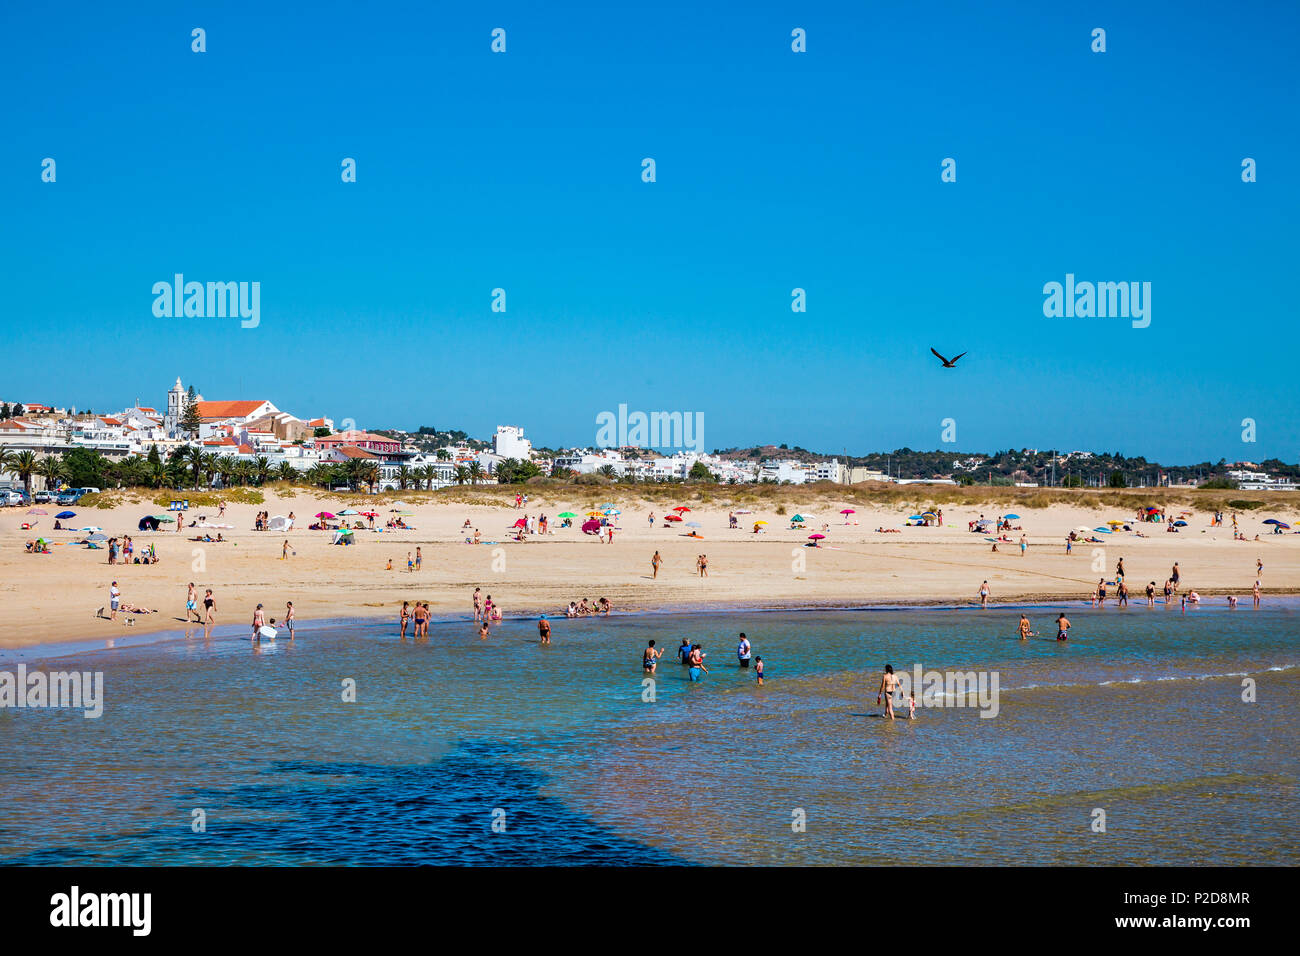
[{"x": 1139, "y": 715}]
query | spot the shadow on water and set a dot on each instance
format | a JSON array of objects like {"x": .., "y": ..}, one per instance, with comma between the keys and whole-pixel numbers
[{"x": 351, "y": 814}]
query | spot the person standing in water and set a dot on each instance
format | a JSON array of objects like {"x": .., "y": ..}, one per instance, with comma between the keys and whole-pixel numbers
[
  {"x": 404, "y": 617},
  {"x": 259, "y": 621},
  {"x": 1062, "y": 627},
  {"x": 742, "y": 650},
  {"x": 650, "y": 658},
  {"x": 984, "y": 597},
  {"x": 1024, "y": 630},
  {"x": 684, "y": 653},
  {"x": 758, "y": 670},
  {"x": 289, "y": 617},
  {"x": 192, "y": 605},
  {"x": 888, "y": 687},
  {"x": 544, "y": 629},
  {"x": 697, "y": 669}
]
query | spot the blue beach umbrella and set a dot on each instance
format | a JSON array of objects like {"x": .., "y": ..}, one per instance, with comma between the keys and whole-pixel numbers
[
  {"x": 66, "y": 514},
  {"x": 1180, "y": 524},
  {"x": 1103, "y": 530},
  {"x": 1012, "y": 517}
]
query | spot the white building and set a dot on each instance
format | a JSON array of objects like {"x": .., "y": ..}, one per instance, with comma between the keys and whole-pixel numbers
[{"x": 509, "y": 442}]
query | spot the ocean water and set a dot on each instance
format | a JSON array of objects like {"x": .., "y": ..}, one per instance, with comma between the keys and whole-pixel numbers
[{"x": 504, "y": 752}]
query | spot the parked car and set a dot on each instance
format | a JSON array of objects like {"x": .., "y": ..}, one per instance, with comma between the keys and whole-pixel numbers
[
  {"x": 69, "y": 497},
  {"x": 11, "y": 498},
  {"x": 44, "y": 497}
]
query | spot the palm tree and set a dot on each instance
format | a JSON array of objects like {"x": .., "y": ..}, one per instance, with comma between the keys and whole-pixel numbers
[
  {"x": 427, "y": 474},
  {"x": 475, "y": 472},
  {"x": 370, "y": 473},
  {"x": 287, "y": 472},
  {"x": 462, "y": 474},
  {"x": 609, "y": 471},
  {"x": 194, "y": 457},
  {"x": 261, "y": 469},
  {"x": 403, "y": 476},
  {"x": 24, "y": 465},
  {"x": 243, "y": 471},
  {"x": 6, "y": 460},
  {"x": 209, "y": 468},
  {"x": 51, "y": 469},
  {"x": 156, "y": 473}
]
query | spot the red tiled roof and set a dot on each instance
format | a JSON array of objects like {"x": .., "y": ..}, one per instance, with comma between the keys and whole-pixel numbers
[
  {"x": 352, "y": 451},
  {"x": 234, "y": 409}
]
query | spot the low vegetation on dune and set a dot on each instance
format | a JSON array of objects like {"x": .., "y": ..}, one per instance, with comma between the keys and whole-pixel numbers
[{"x": 778, "y": 499}]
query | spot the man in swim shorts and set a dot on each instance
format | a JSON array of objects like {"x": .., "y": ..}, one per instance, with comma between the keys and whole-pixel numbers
[{"x": 1062, "y": 627}]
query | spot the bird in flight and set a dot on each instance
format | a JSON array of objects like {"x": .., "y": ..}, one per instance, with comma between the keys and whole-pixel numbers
[{"x": 947, "y": 363}]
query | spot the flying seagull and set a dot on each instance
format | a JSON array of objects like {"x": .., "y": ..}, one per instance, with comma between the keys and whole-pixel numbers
[{"x": 947, "y": 363}]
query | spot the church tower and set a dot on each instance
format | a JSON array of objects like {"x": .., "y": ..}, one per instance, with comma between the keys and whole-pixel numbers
[{"x": 175, "y": 408}]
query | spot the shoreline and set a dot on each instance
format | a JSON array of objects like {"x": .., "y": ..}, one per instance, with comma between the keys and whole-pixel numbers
[
  {"x": 51, "y": 599},
  {"x": 134, "y": 639}
]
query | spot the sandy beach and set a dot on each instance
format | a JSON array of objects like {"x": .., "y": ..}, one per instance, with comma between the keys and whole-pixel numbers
[{"x": 55, "y": 597}]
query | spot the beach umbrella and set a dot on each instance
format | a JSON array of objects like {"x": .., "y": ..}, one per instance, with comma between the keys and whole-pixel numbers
[
  {"x": 36, "y": 511},
  {"x": 613, "y": 511},
  {"x": 92, "y": 529},
  {"x": 1180, "y": 524},
  {"x": 913, "y": 517},
  {"x": 796, "y": 518},
  {"x": 680, "y": 508},
  {"x": 370, "y": 514},
  {"x": 847, "y": 511},
  {"x": 1012, "y": 517},
  {"x": 165, "y": 518},
  {"x": 694, "y": 524},
  {"x": 816, "y": 537},
  {"x": 994, "y": 540},
  {"x": 931, "y": 514},
  {"x": 1083, "y": 529},
  {"x": 672, "y": 517},
  {"x": 567, "y": 514},
  {"x": 347, "y": 511},
  {"x": 325, "y": 514},
  {"x": 1104, "y": 530},
  {"x": 757, "y": 523},
  {"x": 608, "y": 504},
  {"x": 66, "y": 514},
  {"x": 521, "y": 523},
  {"x": 97, "y": 537},
  {"x": 1266, "y": 521},
  {"x": 591, "y": 525}
]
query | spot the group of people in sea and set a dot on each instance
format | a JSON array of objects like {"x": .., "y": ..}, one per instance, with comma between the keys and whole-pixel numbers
[{"x": 691, "y": 657}]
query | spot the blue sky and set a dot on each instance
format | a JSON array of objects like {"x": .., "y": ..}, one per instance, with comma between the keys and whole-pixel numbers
[{"x": 775, "y": 170}]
